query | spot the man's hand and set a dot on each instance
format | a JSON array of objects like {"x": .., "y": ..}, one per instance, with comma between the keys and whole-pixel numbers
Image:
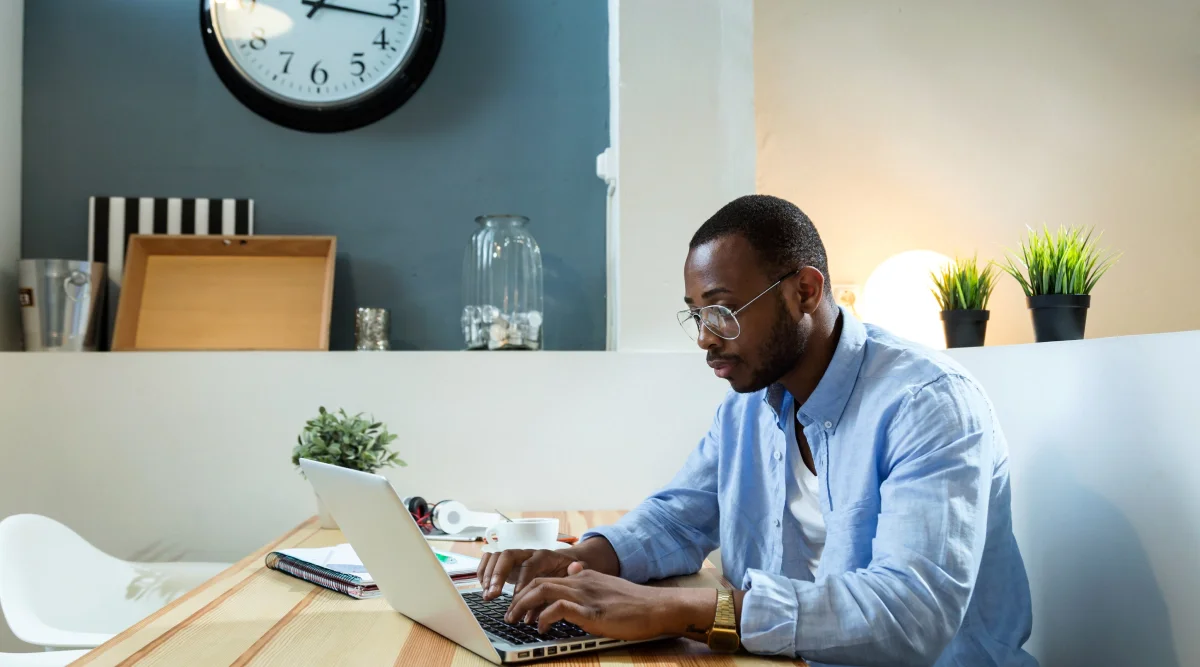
[
  {"x": 609, "y": 606},
  {"x": 520, "y": 566}
]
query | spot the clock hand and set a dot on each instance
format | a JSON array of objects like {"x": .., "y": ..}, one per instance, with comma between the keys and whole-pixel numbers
[
  {"x": 324, "y": 4},
  {"x": 316, "y": 6}
]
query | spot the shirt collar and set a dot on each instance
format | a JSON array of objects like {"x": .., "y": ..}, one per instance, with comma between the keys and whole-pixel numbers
[{"x": 828, "y": 401}]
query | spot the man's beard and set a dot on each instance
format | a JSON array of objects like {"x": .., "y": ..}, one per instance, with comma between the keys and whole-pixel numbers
[{"x": 781, "y": 354}]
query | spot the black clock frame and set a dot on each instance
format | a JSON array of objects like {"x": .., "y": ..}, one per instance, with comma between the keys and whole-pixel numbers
[{"x": 333, "y": 118}]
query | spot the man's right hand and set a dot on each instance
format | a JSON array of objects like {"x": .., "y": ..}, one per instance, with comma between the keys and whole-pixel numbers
[{"x": 521, "y": 566}]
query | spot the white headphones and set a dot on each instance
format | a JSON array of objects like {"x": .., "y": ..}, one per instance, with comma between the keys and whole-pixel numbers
[{"x": 450, "y": 516}]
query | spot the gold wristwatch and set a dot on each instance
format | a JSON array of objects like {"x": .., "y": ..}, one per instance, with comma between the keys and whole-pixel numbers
[{"x": 723, "y": 635}]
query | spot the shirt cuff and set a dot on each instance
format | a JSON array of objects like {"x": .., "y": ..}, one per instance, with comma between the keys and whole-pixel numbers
[
  {"x": 630, "y": 552},
  {"x": 770, "y": 612}
]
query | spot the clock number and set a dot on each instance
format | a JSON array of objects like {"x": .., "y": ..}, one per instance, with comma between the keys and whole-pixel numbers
[
  {"x": 318, "y": 72},
  {"x": 395, "y": 5},
  {"x": 356, "y": 61},
  {"x": 258, "y": 39},
  {"x": 288, "y": 62},
  {"x": 382, "y": 42}
]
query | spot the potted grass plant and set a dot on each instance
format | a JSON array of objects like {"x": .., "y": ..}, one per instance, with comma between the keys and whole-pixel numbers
[
  {"x": 962, "y": 290},
  {"x": 1058, "y": 272},
  {"x": 349, "y": 441}
]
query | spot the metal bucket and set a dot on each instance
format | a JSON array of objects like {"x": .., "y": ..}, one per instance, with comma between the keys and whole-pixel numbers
[{"x": 60, "y": 303}]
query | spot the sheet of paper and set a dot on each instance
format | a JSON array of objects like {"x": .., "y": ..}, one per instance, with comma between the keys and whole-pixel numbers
[
  {"x": 342, "y": 558},
  {"x": 339, "y": 558}
]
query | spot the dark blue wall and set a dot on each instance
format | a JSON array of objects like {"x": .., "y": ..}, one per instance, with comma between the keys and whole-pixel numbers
[{"x": 120, "y": 100}]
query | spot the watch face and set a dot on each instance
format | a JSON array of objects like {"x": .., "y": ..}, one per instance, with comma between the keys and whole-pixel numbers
[
  {"x": 725, "y": 641},
  {"x": 317, "y": 53}
]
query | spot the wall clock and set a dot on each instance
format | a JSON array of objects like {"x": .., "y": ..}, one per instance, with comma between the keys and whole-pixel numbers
[{"x": 323, "y": 65}]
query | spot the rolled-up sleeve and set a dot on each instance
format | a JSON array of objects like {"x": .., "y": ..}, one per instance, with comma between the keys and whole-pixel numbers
[
  {"x": 671, "y": 532},
  {"x": 770, "y": 612},
  {"x": 907, "y": 604}
]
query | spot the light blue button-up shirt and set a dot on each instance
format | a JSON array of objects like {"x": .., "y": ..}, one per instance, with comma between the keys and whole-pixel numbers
[{"x": 920, "y": 566}]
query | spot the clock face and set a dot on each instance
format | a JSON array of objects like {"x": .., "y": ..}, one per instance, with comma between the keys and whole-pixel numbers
[{"x": 323, "y": 65}]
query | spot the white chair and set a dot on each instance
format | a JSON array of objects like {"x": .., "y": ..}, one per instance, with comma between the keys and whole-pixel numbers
[
  {"x": 59, "y": 591},
  {"x": 40, "y": 659}
]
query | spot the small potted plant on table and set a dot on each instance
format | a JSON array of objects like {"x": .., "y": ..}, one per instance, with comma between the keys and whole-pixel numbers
[
  {"x": 963, "y": 290},
  {"x": 347, "y": 441},
  {"x": 1057, "y": 273}
]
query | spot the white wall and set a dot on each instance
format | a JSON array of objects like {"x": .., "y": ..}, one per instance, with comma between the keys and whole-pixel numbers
[
  {"x": 684, "y": 126},
  {"x": 187, "y": 456},
  {"x": 11, "y": 32},
  {"x": 951, "y": 126}
]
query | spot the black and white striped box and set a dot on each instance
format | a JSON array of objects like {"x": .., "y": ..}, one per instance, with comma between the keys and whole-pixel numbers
[{"x": 112, "y": 220}]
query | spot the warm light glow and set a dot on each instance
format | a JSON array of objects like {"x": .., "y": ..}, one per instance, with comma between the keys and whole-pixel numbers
[
  {"x": 898, "y": 297},
  {"x": 239, "y": 20}
]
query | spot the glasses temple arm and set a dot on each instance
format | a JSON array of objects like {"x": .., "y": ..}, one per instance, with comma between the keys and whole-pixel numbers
[
  {"x": 757, "y": 297},
  {"x": 789, "y": 275}
]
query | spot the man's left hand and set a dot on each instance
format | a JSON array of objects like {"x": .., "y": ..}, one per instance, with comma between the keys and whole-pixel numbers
[{"x": 609, "y": 606}]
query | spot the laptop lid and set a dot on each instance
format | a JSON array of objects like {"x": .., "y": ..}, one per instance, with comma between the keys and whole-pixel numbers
[{"x": 374, "y": 520}]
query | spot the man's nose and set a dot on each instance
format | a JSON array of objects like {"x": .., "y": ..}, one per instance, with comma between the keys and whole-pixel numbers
[{"x": 706, "y": 339}]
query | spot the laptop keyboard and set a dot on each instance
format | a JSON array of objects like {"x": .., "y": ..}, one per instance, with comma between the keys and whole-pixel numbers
[{"x": 490, "y": 614}]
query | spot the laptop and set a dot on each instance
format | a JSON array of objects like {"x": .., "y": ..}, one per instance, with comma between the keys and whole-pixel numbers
[{"x": 393, "y": 549}]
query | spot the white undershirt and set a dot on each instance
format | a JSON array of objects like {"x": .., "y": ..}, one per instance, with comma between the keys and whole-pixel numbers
[{"x": 802, "y": 492}]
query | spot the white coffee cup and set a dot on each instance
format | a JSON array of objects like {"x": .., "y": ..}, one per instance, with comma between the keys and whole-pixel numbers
[{"x": 523, "y": 534}]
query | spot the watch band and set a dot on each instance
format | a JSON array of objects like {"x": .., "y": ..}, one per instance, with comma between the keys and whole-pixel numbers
[{"x": 723, "y": 635}]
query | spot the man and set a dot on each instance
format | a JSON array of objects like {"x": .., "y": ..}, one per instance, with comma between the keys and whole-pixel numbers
[{"x": 856, "y": 484}]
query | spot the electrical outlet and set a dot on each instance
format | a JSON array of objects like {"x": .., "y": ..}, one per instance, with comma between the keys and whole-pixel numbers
[{"x": 848, "y": 296}]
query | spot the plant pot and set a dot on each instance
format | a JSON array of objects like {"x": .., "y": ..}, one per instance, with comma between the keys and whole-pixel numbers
[
  {"x": 965, "y": 328},
  {"x": 323, "y": 515},
  {"x": 1059, "y": 316}
]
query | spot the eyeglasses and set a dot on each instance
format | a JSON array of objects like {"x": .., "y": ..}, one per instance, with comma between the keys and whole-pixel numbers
[{"x": 719, "y": 319}]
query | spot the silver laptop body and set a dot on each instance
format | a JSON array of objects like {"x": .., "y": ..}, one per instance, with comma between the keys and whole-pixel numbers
[{"x": 393, "y": 549}]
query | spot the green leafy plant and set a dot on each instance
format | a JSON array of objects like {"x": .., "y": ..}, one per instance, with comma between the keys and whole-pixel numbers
[
  {"x": 346, "y": 441},
  {"x": 963, "y": 286},
  {"x": 1067, "y": 262}
]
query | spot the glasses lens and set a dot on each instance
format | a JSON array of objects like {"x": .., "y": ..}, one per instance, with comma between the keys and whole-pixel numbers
[
  {"x": 721, "y": 321},
  {"x": 718, "y": 320},
  {"x": 690, "y": 321}
]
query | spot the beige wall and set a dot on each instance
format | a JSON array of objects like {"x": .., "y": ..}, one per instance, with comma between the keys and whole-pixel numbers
[{"x": 951, "y": 125}]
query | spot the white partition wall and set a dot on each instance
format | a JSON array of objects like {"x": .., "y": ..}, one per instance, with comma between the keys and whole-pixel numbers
[
  {"x": 11, "y": 44},
  {"x": 1106, "y": 489},
  {"x": 187, "y": 456}
]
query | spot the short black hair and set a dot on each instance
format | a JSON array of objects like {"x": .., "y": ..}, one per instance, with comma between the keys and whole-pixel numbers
[{"x": 777, "y": 229}]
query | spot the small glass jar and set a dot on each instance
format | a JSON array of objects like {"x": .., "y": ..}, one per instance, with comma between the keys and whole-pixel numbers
[
  {"x": 502, "y": 286},
  {"x": 372, "y": 328}
]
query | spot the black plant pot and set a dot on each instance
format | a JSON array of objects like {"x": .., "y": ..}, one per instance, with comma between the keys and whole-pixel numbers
[
  {"x": 965, "y": 328},
  {"x": 1059, "y": 316}
]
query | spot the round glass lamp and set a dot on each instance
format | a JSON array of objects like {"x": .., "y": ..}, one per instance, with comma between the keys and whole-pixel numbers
[{"x": 898, "y": 297}]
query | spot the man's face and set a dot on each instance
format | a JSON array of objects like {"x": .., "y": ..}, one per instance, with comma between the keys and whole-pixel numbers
[{"x": 773, "y": 332}]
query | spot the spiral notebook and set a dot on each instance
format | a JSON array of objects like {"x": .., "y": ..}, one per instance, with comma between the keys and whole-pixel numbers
[{"x": 338, "y": 568}]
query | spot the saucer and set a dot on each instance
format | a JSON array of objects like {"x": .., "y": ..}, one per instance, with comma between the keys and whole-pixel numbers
[{"x": 490, "y": 548}]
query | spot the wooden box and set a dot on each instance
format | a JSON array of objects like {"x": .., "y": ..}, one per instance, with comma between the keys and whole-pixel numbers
[{"x": 226, "y": 293}]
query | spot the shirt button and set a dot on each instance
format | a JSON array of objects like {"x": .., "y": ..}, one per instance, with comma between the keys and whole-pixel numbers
[
  {"x": 777, "y": 522},
  {"x": 828, "y": 424},
  {"x": 778, "y": 456}
]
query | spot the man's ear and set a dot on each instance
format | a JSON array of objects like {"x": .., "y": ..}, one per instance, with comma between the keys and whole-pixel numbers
[{"x": 810, "y": 289}]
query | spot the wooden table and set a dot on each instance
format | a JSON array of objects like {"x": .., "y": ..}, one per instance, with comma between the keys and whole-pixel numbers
[{"x": 251, "y": 615}]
